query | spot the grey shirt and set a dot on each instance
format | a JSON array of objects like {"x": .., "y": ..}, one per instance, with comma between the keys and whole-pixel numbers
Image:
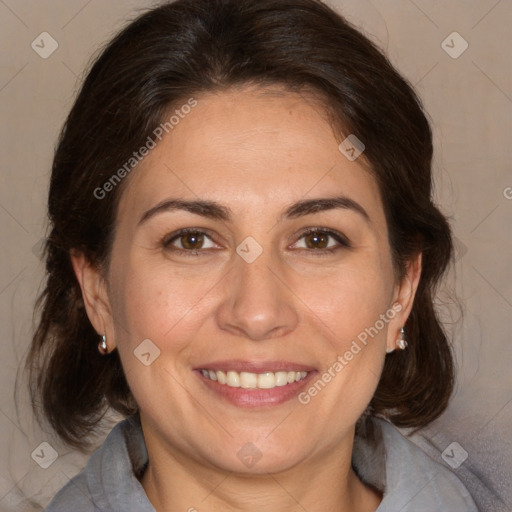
[{"x": 409, "y": 479}]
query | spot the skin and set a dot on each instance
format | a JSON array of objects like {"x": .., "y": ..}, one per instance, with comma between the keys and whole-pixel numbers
[{"x": 257, "y": 152}]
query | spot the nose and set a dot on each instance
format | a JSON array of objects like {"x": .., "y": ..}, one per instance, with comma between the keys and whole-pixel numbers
[{"x": 257, "y": 302}]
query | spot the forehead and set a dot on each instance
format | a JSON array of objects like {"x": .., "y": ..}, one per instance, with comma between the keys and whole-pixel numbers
[{"x": 252, "y": 149}]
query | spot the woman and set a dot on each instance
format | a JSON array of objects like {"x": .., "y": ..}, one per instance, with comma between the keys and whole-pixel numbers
[{"x": 242, "y": 223}]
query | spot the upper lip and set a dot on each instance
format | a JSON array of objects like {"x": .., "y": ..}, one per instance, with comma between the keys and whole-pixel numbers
[{"x": 238, "y": 365}]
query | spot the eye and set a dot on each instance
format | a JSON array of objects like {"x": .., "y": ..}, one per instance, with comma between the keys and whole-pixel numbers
[
  {"x": 322, "y": 240},
  {"x": 189, "y": 240},
  {"x": 193, "y": 241}
]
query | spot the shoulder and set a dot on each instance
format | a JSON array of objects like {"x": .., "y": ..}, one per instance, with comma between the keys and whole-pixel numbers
[
  {"x": 73, "y": 496},
  {"x": 108, "y": 481},
  {"x": 411, "y": 481}
]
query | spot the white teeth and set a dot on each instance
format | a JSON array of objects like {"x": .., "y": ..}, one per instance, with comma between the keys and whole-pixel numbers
[
  {"x": 233, "y": 379},
  {"x": 266, "y": 380},
  {"x": 281, "y": 378},
  {"x": 248, "y": 380}
]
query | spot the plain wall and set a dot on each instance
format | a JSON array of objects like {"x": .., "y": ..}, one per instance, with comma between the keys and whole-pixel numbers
[{"x": 469, "y": 100}]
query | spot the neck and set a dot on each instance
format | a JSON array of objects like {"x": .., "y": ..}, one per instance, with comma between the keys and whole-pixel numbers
[{"x": 172, "y": 481}]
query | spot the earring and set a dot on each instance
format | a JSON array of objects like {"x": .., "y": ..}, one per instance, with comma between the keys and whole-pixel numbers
[
  {"x": 401, "y": 342},
  {"x": 102, "y": 346}
]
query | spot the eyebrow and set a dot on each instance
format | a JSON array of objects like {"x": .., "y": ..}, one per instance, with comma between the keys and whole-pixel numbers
[{"x": 216, "y": 211}]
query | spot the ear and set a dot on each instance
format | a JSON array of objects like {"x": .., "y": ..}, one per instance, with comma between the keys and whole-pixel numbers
[
  {"x": 403, "y": 300},
  {"x": 94, "y": 293}
]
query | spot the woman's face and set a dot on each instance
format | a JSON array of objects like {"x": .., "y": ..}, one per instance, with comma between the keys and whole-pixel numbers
[{"x": 249, "y": 290}]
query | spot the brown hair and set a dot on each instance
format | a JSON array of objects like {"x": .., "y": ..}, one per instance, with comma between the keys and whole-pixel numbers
[{"x": 188, "y": 47}]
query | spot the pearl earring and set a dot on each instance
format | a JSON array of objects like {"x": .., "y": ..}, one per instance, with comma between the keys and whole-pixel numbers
[
  {"x": 401, "y": 342},
  {"x": 102, "y": 346}
]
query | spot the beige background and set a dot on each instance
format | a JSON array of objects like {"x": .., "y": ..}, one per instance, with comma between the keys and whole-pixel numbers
[{"x": 469, "y": 100}]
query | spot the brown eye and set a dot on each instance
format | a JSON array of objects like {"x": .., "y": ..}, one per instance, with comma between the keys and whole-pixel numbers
[
  {"x": 189, "y": 241},
  {"x": 317, "y": 240},
  {"x": 192, "y": 240},
  {"x": 322, "y": 241}
]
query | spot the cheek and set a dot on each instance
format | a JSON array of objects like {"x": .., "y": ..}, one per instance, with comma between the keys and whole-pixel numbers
[
  {"x": 155, "y": 301},
  {"x": 348, "y": 300},
  {"x": 350, "y": 309}
]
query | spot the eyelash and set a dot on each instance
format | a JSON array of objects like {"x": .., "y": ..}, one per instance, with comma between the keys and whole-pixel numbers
[{"x": 341, "y": 239}]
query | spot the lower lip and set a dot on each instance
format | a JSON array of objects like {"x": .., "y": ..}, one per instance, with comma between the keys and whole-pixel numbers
[{"x": 242, "y": 397}]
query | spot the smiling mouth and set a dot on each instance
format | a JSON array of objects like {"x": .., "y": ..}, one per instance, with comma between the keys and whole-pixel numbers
[{"x": 248, "y": 380}]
